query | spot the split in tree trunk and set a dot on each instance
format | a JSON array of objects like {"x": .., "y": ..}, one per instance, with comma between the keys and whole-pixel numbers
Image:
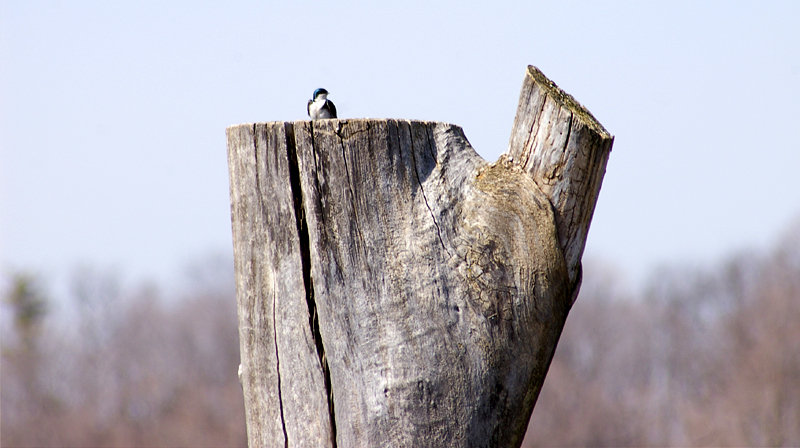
[{"x": 394, "y": 289}]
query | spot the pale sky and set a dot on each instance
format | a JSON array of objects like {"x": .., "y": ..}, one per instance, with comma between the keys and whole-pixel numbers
[{"x": 113, "y": 114}]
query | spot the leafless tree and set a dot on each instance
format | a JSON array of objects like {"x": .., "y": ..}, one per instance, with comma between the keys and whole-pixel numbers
[{"x": 703, "y": 357}]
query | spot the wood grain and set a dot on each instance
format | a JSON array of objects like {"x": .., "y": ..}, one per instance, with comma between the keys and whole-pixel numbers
[{"x": 394, "y": 289}]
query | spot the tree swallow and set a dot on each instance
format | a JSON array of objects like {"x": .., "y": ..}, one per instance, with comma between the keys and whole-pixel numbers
[{"x": 321, "y": 106}]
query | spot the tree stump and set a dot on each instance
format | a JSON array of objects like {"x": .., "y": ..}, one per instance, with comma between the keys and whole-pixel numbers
[{"x": 395, "y": 289}]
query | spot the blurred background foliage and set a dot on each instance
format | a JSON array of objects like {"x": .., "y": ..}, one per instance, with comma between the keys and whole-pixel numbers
[{"x": 704, "y": 356}]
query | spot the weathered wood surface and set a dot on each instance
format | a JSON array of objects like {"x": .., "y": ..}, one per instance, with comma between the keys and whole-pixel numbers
[
  {"x": 565, "y": 149},
  {"x": 394, "y": 289}
]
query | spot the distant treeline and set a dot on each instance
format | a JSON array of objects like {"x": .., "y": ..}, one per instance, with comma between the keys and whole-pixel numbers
[{"x": 703, "y": 357}]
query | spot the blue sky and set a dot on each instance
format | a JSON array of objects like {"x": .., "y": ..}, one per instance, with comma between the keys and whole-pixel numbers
[{"x": 113, "y": 114}]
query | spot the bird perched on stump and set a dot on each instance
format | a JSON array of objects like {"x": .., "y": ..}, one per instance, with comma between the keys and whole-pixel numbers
[{"x": 321, "y": 106}]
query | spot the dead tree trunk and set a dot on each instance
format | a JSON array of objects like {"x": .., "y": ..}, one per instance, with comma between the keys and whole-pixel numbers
[{"x": 394, "y": 289}]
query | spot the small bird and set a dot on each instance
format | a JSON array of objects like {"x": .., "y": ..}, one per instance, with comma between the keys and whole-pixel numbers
[{"x": 321, "y": 106}]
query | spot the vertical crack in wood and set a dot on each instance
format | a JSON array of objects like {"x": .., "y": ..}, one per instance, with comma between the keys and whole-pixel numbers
[
  {"x": 278, "y": 365},
  {"x": 261, "y": 206},
  {"x": 305, "y": 256},
  {"x": 424, "y": 198},
  {"x": 338, "y": 132},
  {"x": 258, "y": 176},
  {"x": 534, "y": 123}
]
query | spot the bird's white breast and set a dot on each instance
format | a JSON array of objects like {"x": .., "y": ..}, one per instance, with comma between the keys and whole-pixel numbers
[
  {"x": 313, "y": 109},
  {"x": 316, "y": 108}
]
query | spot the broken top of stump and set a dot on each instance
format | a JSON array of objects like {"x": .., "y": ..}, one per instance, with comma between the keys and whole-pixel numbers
[{"x": 560, "y": 144}]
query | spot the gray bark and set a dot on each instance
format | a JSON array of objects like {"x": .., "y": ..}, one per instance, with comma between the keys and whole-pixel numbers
[{"x": 394, "y": 289}]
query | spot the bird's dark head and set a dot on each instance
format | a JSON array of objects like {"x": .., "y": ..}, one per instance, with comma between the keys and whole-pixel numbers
[{"x": 319, "y": 92}]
